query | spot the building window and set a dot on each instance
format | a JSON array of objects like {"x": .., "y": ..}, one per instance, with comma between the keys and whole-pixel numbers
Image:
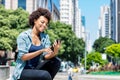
[
  {"x": 22, "y": 4},
  {"x": 3, "y": 2}
]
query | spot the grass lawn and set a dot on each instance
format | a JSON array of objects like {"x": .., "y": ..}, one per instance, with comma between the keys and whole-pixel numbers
[{"x": 105, "y": 73}]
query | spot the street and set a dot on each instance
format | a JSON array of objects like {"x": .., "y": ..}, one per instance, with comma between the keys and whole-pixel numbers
[{"x": 78, "y": 76}]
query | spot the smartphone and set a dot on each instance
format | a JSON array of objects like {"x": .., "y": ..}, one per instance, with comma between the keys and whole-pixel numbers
[
  {"x": 52, "y": 48},
  {"x": 58, "y": 40}
]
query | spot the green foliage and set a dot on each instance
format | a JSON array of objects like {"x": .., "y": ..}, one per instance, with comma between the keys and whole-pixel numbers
[
  {"x": 113, "y": 50},
  {"x": 12, "y": 22},
  {"x": 72, "y": 47},
  {"x": 5, "y": 44},
  {"x": 101, "y": 43},
  {"x": 95, "y": 57}
]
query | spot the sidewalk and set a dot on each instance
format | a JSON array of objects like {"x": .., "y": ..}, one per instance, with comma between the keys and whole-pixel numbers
[
  {"x": 78, "y": 76},
  {"x": 11, "y": 71}
]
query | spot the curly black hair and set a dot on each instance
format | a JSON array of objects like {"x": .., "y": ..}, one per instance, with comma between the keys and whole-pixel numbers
[{"x": 36, "y": 14}]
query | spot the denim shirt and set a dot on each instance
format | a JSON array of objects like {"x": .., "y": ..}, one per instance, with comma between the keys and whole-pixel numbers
[{"x": 24, "y": 42}]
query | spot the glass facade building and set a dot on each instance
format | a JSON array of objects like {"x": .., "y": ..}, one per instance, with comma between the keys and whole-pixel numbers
[
  {"x": 55, "y": 2},
  {"x": 22, "y": 4},
  {"x": 83, "y": 20},
  {"x": 3, "y": 2},
  {"x": 115, "y": 20}
]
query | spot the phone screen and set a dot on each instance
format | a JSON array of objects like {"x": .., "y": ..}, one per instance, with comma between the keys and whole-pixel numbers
[
  {"x": 58, "y": 40},
  {"x": 52, "y": 48}
]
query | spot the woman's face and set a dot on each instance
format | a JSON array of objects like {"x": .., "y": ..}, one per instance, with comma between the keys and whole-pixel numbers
[{"x": 41, "y": 23}]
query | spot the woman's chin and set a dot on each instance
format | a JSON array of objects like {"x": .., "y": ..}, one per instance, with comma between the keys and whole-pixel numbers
[{"x": 41, "y": 30}]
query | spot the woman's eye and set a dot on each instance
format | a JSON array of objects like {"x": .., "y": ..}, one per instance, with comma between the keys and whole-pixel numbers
[
  {"x": 42, "y": 22},
  {"x": 46, "y": 24}
]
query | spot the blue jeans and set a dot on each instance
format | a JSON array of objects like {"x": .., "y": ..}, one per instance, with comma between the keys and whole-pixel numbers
[
  {"x": 69, "y": 77},
  {"x": 44, "y": 71}
]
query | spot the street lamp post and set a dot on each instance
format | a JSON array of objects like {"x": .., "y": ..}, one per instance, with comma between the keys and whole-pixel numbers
[
  {"x": 86, "y": 39},
  {"x": 85, "y": 50},
  {"x": 85, "y": 61}
]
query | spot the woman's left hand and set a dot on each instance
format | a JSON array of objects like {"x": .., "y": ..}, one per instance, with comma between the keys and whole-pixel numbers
[
  {"x": 53, "y": 52},
  {"x": 56, "y": 46}
]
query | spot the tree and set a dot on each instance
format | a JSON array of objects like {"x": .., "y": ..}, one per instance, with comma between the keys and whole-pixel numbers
[
  {"x": 94, "y": 57},
  {"x": 72, "y": 47},
  {"x": 113, "y": 50},
  {"x": 12, "y": 22},
  {"x": 101, "y": 43}
]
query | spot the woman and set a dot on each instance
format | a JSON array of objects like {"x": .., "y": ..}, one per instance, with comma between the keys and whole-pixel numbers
[{"x": 35, "y": 59}]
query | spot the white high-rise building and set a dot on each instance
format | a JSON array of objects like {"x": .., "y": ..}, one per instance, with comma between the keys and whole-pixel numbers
[
  {"x": 71, "y": 14},
  {"x": 11, "y": 4},
  {"x": 28, "y": 5},
  {"x": 66, "y": 11},
  {"x": 78, "y": 24},
  {"x": 104, "y": 22},
  {"x": 78, "y": 28},
  {"x": 31, "y": 5}
]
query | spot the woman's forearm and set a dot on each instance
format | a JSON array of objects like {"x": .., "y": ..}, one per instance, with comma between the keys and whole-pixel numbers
[
  {"x": 31, "y": 55},
  {"x": 51, "y": 55}
]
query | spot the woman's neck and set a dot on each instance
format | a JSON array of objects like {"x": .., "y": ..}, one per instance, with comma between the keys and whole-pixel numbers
[{"x": 35, "y": 32}]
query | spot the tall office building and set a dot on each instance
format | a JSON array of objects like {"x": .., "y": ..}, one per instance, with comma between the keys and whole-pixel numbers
[
  {"x": 31, "y": 5},
  {"x": 53, "y": 6},
  {"x": 104, "y": 22},
  {"x": 76, "y": 17},
  {"x": 28, "y": 5},
  {"x": 82, "y": 29},
  {"x": 66, "y": 11},
  {"x": 11, "y": 4},
  {"x": 77, "y": 24},
  {"x": 78, "y": 28},
  {"x": 115, "y": 20},
  {"x": 71, "y": 14},
  {"x": 2, "y": 2},
  {"x": 43, "y": 3}
]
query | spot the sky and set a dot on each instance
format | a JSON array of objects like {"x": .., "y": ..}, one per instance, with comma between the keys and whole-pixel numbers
[{"x": 91, "y": 10}]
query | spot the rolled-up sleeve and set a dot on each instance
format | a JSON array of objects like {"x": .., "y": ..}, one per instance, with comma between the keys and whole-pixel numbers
[
  {"x": 47, "y": 44},
  {"x": 22, "y": 45}
]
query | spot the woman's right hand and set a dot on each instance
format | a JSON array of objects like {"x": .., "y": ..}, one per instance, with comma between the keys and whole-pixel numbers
[
  {"x": 50, "y": 54},
  {"x": 48, "y": 50}
]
